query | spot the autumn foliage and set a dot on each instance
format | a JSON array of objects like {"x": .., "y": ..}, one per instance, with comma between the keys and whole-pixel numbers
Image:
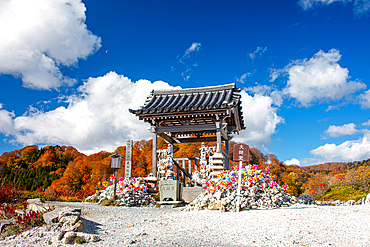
[{"x": 63, "y": 171}]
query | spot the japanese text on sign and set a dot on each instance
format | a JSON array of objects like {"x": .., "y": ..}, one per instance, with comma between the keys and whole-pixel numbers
[
  {"x": 241, "y": 152},
  {"x": 128, "y": 163}
]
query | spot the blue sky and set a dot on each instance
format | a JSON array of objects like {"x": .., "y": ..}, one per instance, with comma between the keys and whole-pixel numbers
[{"x": 69, "y": 70}]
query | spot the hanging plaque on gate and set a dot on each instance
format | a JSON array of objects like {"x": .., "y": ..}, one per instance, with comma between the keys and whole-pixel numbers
[{"x": 241, "y": 152}]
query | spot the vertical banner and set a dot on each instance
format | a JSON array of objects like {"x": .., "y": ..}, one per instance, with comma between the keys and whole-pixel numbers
[{"x": 128, "y": 163}]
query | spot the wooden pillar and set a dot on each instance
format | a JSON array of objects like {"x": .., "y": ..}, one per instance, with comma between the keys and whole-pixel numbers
[
  {"x": 227, "y": 149},
  {"x": 189, "y": 166},
  {"x": 154, "y": 153},
  {"x": 183, "y": 174},
  {"x": 177, "y": 173}
]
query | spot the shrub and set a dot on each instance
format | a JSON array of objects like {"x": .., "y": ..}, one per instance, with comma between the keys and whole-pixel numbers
[
  {"x": 107, "y": 202},
  {"x": 343, "y": 193},
  {"x": 7, "y": 193},
  {"x": 79, "y": 240},
  {"x": 25, "y": 194},
  {"x": 23, "y": 222}
]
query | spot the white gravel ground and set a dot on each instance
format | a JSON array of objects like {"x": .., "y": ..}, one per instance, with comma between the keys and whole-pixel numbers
[{"x": 299, "y": 225}]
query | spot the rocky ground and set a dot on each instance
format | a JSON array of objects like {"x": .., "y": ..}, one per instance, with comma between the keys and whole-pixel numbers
[{"x": 297, "y": 225}]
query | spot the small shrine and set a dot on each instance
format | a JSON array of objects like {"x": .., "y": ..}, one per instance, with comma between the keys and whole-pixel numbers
[{"x": 206, "y": 114}]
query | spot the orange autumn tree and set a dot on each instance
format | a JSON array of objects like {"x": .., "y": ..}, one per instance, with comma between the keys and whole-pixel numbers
[
  {"x": 32, "y": 168},
  {"x": 84, "y": 174},
  {"x": 142, "y": 158}
]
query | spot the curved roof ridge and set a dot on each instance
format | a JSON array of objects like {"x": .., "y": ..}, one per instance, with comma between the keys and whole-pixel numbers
[{"x": 195, "y": 90}]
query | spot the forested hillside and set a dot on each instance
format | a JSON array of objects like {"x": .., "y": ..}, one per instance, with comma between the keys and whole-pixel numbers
[{"x": 59, "y": 170}]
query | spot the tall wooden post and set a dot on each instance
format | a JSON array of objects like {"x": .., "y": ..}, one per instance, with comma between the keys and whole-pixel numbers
[
  {"x": 115, "y": 184},
  {"x": 154, "y": 154},
  {"x": 227, "y": 149}
]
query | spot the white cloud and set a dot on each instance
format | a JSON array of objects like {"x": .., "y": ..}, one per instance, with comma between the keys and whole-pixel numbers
[
  {"x": 293, "y": 161},
  {"x": 270, "y": 91},
  {"x": 39, "y": 36},
  {"x": 347, "y": 151},
  {"x": 308, "y": 4},
  {"x": 194, "y": 47},
  {"x": 260, "y": 118},
  {"x": 257, "y": 53},
  {"x": 243, "y": 77},
  {"x": 95, "y": 119},
  {"x": 360, "y": 7},
  {"x": 186, "y": 60},
  {"x": 364, "y": 100},
  {"x": 320, "y": 79},
  {"x": 337, "y": 131},
  {"x": 6, "y": 121},
  {"x": 367, "y": 123}
]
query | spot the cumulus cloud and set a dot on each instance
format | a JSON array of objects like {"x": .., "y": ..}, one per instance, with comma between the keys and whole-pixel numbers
[
  {"x": 360, "y": 7},
  {"x": 293, "y": 161},
  {"x": 97, "y": 118},
  {"x": 319, "y": 79},
  {"x": 337, "y": 131},
  {"x": 260, "y": 118},
  {"x": 6, "y": 121},
  {"x": 40, "y": 36},
  {"x": 347, "y": 151}
]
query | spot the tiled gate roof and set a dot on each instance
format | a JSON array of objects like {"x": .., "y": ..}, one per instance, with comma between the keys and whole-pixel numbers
[
  {"x": 192, "y": 99},
  {"x": 209, "y": 100}
]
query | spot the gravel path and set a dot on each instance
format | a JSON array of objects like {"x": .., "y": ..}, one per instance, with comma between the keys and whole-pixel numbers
[{"x": 299, "y": 225}]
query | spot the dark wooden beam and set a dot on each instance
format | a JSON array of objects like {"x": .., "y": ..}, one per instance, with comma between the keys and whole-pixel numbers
[
  {"x": 224, "y": 134},
  {"x": 200, "y": 139},
  {"x": 236, "y": 119},
  {"x": 186, "y": 128},
  {"x": 167, "y": 138},
  {"x": 182, "y": 170}
]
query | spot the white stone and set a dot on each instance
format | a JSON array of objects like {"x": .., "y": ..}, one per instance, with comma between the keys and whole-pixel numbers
[{"x": 68, "y": 237}]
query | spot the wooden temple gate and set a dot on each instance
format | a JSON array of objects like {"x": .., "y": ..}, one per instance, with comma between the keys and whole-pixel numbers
[{"x": 206, "y": 114}]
